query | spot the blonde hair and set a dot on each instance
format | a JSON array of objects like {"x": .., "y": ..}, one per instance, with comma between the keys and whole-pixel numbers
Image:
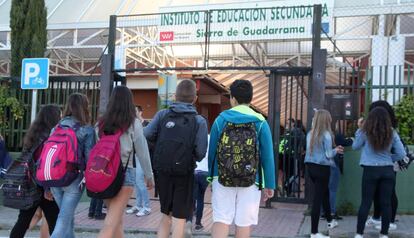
[{"x": 321, "y": 123}]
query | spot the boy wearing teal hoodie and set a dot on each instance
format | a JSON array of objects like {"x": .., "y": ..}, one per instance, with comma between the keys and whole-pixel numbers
[{"x": 240, "y": 203}]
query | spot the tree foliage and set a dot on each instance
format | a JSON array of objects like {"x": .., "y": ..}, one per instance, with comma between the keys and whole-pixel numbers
[
  {"x": 404, "y": 111},
  {"x": 9, "y": 105},
  {"x": 28, "y": 21}
]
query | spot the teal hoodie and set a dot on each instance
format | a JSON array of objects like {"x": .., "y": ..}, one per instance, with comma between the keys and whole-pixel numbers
[{"x": 244, "y": 114}]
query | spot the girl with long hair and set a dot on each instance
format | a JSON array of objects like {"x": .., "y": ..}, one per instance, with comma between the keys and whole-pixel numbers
[
  {"x": 76, "y": 115},
  {"x": 121, "y": 116},
  {"x": 38, "y": 132},
  {"x": 318, "y": 160},
  {"x": 380, "y": 146},
  {"x": 375, "y": 220}
]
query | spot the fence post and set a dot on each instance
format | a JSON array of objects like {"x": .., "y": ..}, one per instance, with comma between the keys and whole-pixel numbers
[
  {"x": 107, "y": 67},
  {"x": 112, "y": 35},
  {"x": 107, "y": 81},
  {"x": 317, "y": 81},
  {"x": 274, "y": 108}
]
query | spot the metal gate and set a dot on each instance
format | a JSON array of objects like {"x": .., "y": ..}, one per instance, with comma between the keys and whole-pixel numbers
[
  {"x": 60, "y": 88},
  {"x": 288, "y": 119}
]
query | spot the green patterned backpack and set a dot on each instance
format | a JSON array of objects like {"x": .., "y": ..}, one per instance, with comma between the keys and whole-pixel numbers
[{"x": 238, "y": 155}]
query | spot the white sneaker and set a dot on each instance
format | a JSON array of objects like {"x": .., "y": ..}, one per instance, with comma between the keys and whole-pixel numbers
[
  {"x": 143, "y": 212},
  {"x": 372, "y": 222},
  {"x": 188, "y": 230},
  {"x": 358, "y": 236},
  {"x": 319, "y": 235},
  {"x": 383, "y": 236},
  {"x": 133, "y": 209},
  {"x": 332, "y": 224},
  {"x": 392, "y": 227}
]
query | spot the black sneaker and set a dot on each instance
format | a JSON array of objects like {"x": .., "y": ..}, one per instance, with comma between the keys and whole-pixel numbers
[
  {"x": 323, "y": 217},
  {"x": 198, "y": 227},
  {"x": 336, "y": 217},
  {"x": 100, "y": 217},
  {"x": 91, "y": 215}
]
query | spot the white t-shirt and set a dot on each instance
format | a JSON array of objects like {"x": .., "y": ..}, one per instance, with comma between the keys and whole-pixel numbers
[{"x": 203, "y": 164}]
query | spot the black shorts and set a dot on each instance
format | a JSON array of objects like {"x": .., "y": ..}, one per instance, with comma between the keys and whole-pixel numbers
[{"x": 176, "y": 195}]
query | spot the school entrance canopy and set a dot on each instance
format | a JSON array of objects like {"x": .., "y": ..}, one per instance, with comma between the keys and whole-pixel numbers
[{"x": 269, "y": 34}]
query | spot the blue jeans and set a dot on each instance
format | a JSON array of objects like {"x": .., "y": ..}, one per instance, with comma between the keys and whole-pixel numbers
[
  {"x": 141, "y": 188},
  {"x": 95, "y": 207},
  {"x": 67, "y": 198},
  {"x": 200, "y": 186},
  {"x": 333, "y": 187}
]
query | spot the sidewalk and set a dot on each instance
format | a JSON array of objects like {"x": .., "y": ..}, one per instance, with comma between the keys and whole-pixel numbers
[
  {"x": 347, "y": 228},
  {"x": 283, "y": 220}
]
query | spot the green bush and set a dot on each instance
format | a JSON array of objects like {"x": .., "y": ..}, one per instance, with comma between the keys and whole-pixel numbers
[
  {"x": 346, "y": 209},
  {"x": 9, "y": 104},
  {"x": 404, "y": 111}
]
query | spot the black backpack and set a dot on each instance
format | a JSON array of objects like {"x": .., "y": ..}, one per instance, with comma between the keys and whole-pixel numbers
[
  {"x": 20, "y": 190},
  {"x": 175, "y": 144},
  {"x": 238, "y": 156}
]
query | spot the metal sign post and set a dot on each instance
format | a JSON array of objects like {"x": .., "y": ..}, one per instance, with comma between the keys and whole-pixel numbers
[
  {"x": 35, "y": 75},
  {"x": 34, "y": 105}
]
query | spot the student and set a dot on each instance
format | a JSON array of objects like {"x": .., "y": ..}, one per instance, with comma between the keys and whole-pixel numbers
[
  {"x": 140, "y": 116},
  {"x": 200, "y": 187},
  {"x": 318, "y": 160},
  {"x": 181, "y": 139},
  {"x": 95, "y": 209},
  {"x": 38, "y": 132},
  {"x": 237, "y": 183},
  {"x": 143, "y": 206},
  {"x": 337, "y": 170},
  {"x": 121, "y": 115},
  {"x": 377, "y": 138},
  {"x": 76, "y": 115},
  {"x": 375, "y": 220}
]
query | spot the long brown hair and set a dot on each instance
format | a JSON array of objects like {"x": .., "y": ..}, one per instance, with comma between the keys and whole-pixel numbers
[
  {"x": 378, "y": 128},
  {"x": 77, "y": 107},
  {"x": 46, "y": 119},
  {"x": 321, "y": 123},
  {"x": 120, "y": 113}
]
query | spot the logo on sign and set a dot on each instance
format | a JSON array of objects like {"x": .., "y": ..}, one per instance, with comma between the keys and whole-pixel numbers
[
  {"x": 35, "y": 73},
  {"x": 167, "y": 36}
]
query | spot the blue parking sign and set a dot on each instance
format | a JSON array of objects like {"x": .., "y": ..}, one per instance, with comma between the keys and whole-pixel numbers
[{"x": 35, "y": 73}]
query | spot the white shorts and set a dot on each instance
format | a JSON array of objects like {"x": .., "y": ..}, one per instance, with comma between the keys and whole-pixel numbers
[{"x": 238, "y": 204}]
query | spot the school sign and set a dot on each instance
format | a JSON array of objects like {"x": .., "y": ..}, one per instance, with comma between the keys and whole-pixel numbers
[{"x": 252, "y": 21}]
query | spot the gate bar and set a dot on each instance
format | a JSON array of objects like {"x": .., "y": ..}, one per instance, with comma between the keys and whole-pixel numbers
[{"x": 274, "y": 108}]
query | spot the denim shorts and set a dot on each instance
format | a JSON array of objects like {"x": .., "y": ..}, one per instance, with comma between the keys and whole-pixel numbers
[{"x": 129, "y": 177}]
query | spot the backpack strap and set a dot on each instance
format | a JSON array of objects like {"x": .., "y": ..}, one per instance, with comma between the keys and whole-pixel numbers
[
  {"x": 214, "y": 157},
  {"x": 131, "y": 153},
  {"x": 33, "y": 149}
]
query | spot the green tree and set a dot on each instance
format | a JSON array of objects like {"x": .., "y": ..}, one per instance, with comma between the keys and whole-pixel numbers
[
  {"x": 28, "y": 21},
  {"x": 404, "y": 111}
]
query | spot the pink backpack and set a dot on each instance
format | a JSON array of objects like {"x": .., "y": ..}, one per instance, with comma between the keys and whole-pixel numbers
[
  {"x": 104, "y": 174},
  {"x": 59, "y": 163}
]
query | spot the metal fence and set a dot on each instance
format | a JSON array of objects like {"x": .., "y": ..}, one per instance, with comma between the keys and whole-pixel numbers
[
  {"x": 393, "y": 84},
  {"x": 60, "y": 88}
]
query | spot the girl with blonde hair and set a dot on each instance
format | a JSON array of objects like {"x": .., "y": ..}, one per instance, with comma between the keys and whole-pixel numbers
[{"x": 318, "y": 160}]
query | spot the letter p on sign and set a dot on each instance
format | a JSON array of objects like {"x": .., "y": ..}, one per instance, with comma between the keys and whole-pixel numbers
[
  {"x": 35, "y": 73},
  {"x": 32, "y": 71}
]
